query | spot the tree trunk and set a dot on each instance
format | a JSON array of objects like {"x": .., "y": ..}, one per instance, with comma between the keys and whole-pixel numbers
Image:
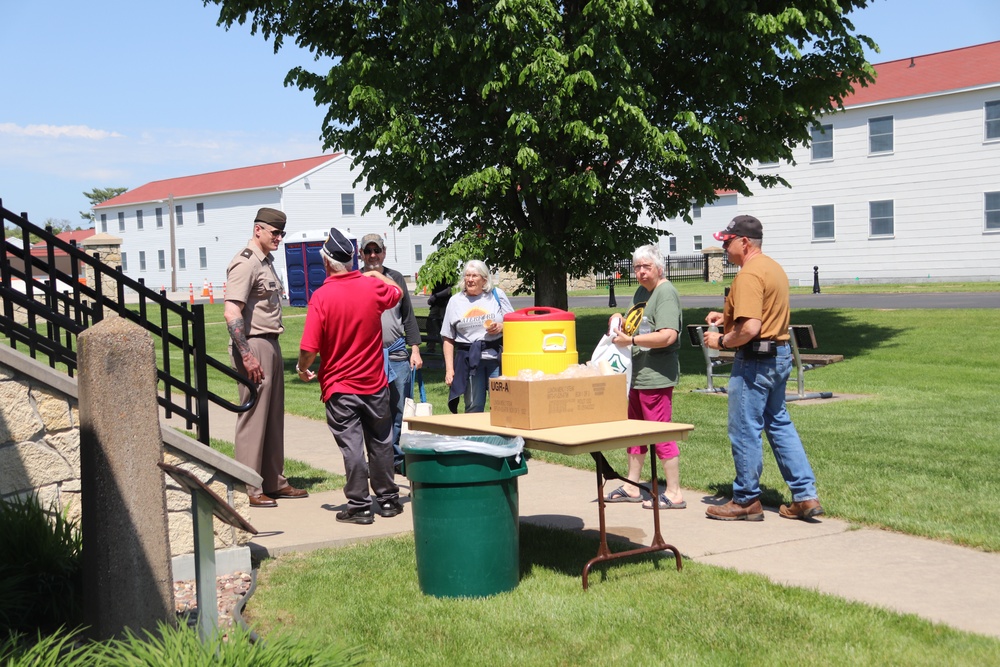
[{"x": 550, "y": 287}]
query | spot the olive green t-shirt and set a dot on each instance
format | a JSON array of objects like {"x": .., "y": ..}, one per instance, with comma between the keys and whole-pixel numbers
[{"x": 660, "y": 367}]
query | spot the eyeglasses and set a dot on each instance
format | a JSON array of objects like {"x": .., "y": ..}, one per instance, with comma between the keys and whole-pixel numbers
[
  {"x": 642, "y": 267},
  {"x": 728, "y": 242},
  {"x": 371, "y": 251}
]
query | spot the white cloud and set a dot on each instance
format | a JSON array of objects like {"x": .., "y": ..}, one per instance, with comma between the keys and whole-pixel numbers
[{"x": 57, "y": 131}]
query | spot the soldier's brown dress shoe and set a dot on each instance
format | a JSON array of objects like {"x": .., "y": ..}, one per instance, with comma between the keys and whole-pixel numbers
[
  {"x": 806, "y": 509},
  {"x": 287, "y": 491},
  {"x": 262, "y": 501},
  {"x": 733, "y": 511}
]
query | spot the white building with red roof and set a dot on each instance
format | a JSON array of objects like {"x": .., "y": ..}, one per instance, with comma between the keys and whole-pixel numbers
[
  {"x": 213, "y": 219},
  {"x": 902, "y": 185}
]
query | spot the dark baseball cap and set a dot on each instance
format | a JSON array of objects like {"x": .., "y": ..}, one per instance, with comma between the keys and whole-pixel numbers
[
  {"x": 741, "y": 225},
  {"x": 271, "y": 216},
  {"x": 338, "y": 247}
]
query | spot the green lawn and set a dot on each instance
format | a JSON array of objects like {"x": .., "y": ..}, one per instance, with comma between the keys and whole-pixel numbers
[
  {"x": 911, "y": 455},
  {"x": 636, "y": 613},
  {"x": 914, "y": 454}
]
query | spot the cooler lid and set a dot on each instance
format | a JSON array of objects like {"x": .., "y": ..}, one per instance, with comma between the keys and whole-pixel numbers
[{"x": 539, "y": 314}]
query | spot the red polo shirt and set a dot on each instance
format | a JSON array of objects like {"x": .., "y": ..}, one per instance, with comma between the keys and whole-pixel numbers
[{"x": 344, "y": 325}]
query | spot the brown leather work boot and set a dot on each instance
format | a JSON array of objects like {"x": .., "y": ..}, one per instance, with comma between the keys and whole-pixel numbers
[
  {"x": 733, "y": 511},
  {"x": 806, "y": 509}
]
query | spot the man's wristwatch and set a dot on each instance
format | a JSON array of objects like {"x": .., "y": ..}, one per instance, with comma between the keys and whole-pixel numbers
[
  {"x": 298, "y": 370},
  {"x": 722, "y": 346}
]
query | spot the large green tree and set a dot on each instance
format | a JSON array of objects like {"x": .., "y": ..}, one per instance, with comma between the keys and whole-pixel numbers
[{"x": 549, "y": 126}]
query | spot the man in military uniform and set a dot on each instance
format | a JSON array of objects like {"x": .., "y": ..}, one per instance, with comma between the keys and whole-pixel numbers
[
  {"x": 755, "y": 324},
  {"x": 253, "y": 315}
]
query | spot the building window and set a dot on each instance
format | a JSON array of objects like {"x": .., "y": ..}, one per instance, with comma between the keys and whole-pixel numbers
[
  {"x": 181, "y": 263},
  {"x": 201, "y": 213},
  {"x": 179, "y": 215},
  {"x": 142, "y": 260},
  {"x": 121, "y": 221},
  {"x": 880, "y": 218},
  {"x": 697, "y": 242},
  {"x": 124, "y": 262},
  {"x": 992, "y": 211},
  {"x": 418, "y": 252},
  {"x": 993, "y": 120},
  {"x": 159, "y": 218},
  {"x": 673, "y": 244},
  {"x": 138, "y": 219},
  {"x": 822, "y": 142},
  {"x": 203, "y": 258},
  {"x": 161, "y": 259},
  {"x": 104, "y": 222},
  {"x": 880, "y": 135},
  {"x": 823, "y": 222},
  {"x": 347, "y": 204},
  {"x": 696, "y": 211}
]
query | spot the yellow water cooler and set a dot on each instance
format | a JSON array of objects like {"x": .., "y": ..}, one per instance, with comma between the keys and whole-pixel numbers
[{"x": 539, "y": 339}]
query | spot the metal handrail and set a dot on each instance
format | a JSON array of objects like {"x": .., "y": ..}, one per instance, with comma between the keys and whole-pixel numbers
[{"x": 54, "y": 319}]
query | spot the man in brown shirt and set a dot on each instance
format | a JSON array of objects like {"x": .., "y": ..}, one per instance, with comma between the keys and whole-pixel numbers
[
  {"x": 755, "y": 324},
  {"x": 253, "y": 315}
]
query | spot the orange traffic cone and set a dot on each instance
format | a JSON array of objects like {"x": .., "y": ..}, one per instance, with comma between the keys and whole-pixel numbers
[
  {"x": 211, "y": 293},
  {"x": 204, "y": 288},
  {"x": 191, "y": 293}
]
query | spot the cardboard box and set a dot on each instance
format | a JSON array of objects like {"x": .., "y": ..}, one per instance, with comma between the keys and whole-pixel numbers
[{"x": 557, "y": 402}]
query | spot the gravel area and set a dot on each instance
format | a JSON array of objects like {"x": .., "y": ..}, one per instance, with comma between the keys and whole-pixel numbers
[{"x": 230, "y": 591}]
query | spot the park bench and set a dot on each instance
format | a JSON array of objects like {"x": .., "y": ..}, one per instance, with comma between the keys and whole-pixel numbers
[
  {"x": 424, "y": 335},
  {"x": 801, "y": 337}
]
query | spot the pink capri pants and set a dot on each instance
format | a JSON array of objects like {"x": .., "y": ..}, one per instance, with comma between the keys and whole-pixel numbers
[{"x": 655, "y": 405}]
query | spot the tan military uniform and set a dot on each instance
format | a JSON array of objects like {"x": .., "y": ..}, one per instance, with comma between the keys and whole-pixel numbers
[{"x": 260, "y": 432}]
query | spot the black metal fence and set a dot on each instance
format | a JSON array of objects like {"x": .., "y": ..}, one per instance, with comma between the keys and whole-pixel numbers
[
  {"x": 679, "y": 267},
  {"x": 45, "y": 309}
]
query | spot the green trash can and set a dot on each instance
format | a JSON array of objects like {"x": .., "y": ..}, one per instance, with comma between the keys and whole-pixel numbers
[{"x": 465, "y": 518}]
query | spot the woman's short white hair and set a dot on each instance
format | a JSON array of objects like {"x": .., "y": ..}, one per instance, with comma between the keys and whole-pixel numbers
[
  {"x": 479, "y": 267},
  {"x": 652, "y": 254}
]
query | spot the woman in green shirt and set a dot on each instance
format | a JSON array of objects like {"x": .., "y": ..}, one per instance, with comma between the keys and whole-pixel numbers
[{"x": 652, "y": 328}]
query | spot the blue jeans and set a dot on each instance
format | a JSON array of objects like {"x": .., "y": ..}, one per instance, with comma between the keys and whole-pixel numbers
[
  {"x": 757, "y": 403},
  {"x": 479, "y": 382},
  {"x": 399, "y": 389}
]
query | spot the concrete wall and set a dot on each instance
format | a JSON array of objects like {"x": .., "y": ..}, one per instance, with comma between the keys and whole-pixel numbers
[{"x": 40, "y": 453}]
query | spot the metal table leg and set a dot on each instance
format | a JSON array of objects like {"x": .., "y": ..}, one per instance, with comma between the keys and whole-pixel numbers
[{"x": 604, "y": 473}]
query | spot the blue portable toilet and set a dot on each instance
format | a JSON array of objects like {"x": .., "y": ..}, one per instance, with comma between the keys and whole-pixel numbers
[{"x": 304, "y": 266}]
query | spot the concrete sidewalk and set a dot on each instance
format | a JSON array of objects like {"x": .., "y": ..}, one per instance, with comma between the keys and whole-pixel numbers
[{"x": 937, "y": 581}]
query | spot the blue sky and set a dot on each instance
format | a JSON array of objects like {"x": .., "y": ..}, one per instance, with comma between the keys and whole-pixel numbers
[{"x": 117, "y": 93}]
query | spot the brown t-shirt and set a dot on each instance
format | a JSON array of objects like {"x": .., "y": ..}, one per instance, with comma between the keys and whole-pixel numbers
[
  {"x": 759, "y": 292},
  {"x": 252, "y": 281}
]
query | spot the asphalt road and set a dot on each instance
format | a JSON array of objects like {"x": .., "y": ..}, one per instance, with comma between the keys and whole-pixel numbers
[{"x": 799, "y": 301}]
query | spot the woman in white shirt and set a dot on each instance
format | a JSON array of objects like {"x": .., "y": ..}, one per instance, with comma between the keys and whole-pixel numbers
[{"x": 472, "y": 337}]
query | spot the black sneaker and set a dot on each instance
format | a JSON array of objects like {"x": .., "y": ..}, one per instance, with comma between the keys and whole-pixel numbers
[
  {"x": 388, "y": 508},
  {"x": 362, "y": 516}
]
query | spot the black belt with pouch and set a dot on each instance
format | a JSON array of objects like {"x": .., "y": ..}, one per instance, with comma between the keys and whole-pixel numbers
[{"x": 761, "y": 349}]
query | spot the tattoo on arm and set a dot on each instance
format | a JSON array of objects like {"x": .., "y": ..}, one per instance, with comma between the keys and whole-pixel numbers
[{"x": 237, "y": 331}]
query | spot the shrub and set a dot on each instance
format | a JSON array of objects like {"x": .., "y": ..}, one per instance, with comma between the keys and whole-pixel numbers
[
  {"x": 40, "y": 585},
  {"x": 176, "y": 646}
]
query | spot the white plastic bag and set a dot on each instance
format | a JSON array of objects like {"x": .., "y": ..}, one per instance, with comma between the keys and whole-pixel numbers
[
  {"x": 618, "y": 358},
  {"x": 412, "y": 409},
  {"x": 492, "y": 445}
]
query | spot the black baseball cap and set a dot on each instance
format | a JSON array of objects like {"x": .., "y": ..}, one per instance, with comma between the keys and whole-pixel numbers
[{"x": 741, "y": 225}]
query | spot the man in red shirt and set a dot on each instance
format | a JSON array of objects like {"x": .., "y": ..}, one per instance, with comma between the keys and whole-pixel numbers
[{"x": 344, "y": 326}]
